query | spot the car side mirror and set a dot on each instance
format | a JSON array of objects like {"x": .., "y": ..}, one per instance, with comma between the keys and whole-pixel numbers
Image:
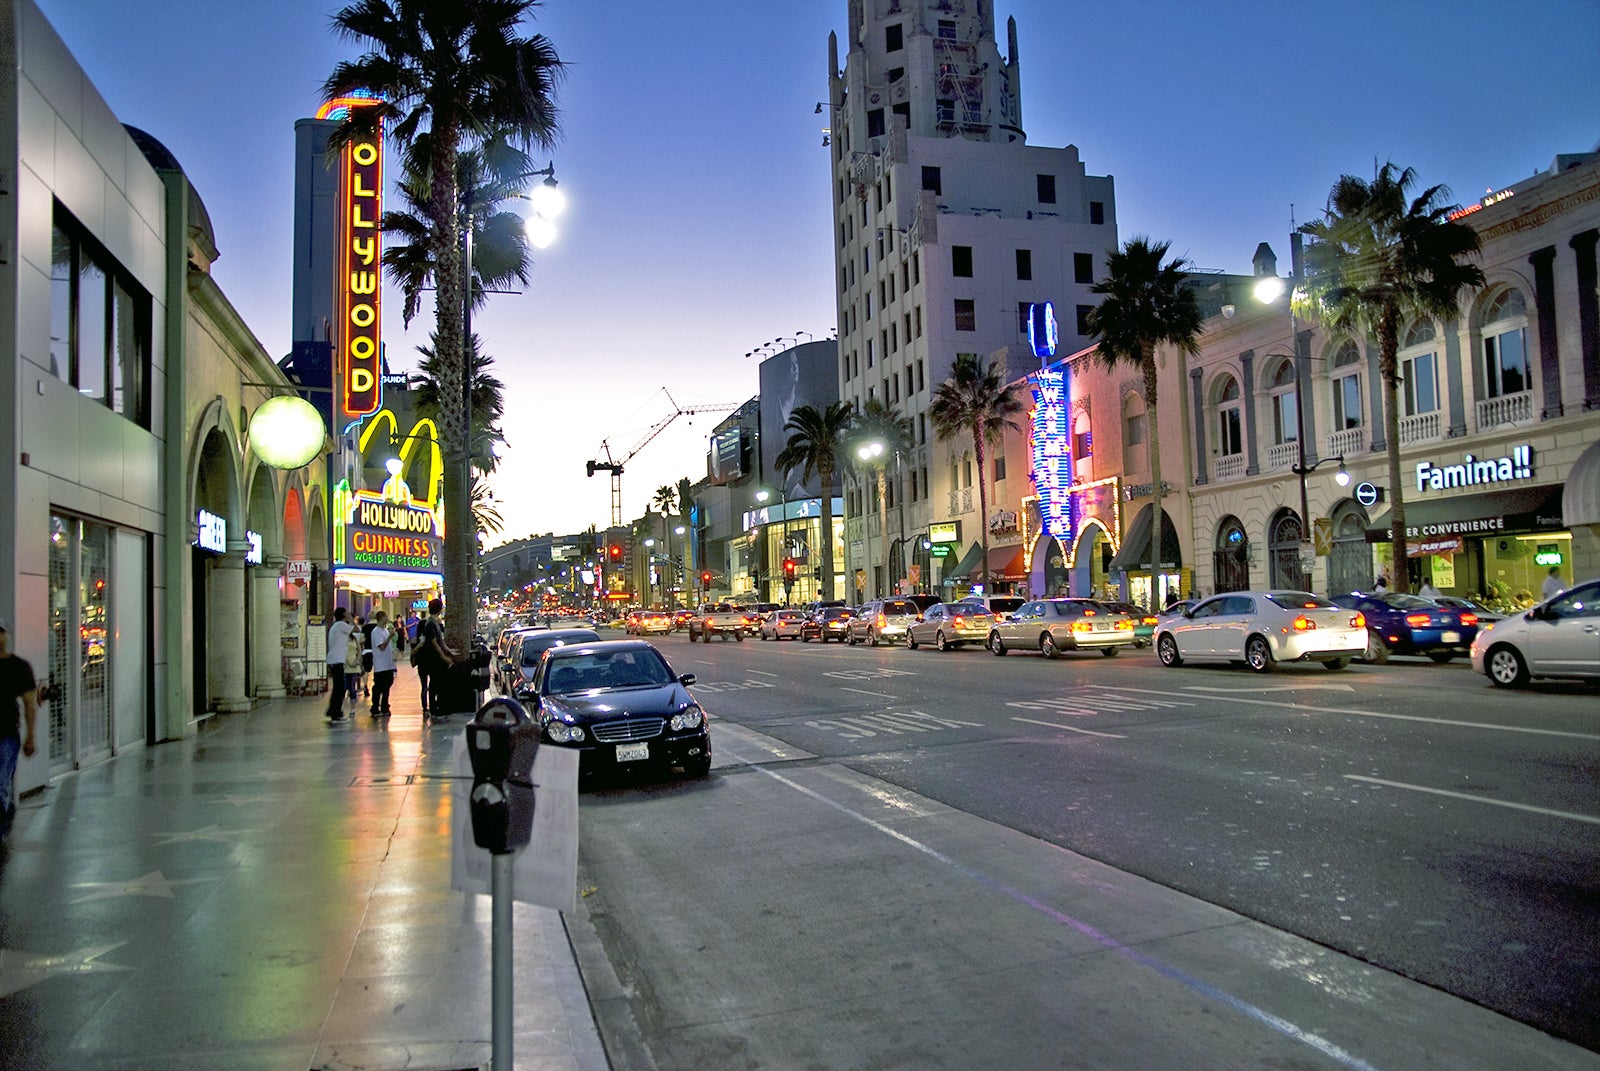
[
  {"x": 686, "y": 679},
  {"x": 1187, "y": 611}
]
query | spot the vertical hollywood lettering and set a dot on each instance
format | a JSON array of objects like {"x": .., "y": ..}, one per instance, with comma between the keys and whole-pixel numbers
[{"x": 359, "y": 274}]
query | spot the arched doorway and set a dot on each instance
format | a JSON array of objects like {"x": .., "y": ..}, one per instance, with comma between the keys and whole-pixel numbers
[
  {"x": 1284, "y": 536},
  {"x": 1230, "y": 559},
  {"x": 1087, "y": 574},
  {"x": 1350, "y": 560}
]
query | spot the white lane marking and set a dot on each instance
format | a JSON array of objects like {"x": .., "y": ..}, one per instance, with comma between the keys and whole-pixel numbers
[
  {"x": 703, "y": 662},
  {"x": 863, "y": 691},
  {"x": 763, "y": 673},
  {"x": 1476, "y": 799},
  {"x": 1070, "y": 728},
  {"x": 1370, "y": 714},
  {"x": 1331, "y": 687},
  {"x": 1194, "y": 984}
]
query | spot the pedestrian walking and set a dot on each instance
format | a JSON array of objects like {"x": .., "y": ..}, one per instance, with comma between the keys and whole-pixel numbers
[
  {"x": 384, "y": 643},
  {"x": 366, "y": 652},
  {"x": 352, "y": 664},
  {"x": 435, "y": 658},
  {"x": 18, "y": 711},
  {"x": 338, "y": 648},
  {"x": 1381, "y": 587},
  {"x": 1553, "y": 584}
]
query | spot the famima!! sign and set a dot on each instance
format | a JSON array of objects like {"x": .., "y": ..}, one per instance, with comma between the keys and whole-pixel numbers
[
  {"x": 1475, "y": 472},
  {"x": 356, "y": 280}
]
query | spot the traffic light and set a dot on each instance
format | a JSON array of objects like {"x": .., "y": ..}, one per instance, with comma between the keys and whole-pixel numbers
[
  {"x": 705, "y": 579},
  {"x": 616, "y": 552},
  {"x": 788, "y": 568}
]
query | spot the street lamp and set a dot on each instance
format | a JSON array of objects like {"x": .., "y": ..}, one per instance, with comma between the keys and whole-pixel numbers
[
  {"x": 871, "y": 452},
  {"x": 763, "y": 496}
]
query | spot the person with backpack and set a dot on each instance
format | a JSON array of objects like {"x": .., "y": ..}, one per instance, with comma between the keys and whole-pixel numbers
[
  {"x": 433, "y": 657},
  {"x": 338, "y": 647}
]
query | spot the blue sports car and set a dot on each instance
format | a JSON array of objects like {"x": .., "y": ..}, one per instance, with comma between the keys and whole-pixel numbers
[{"x": 1406, "y": 624}]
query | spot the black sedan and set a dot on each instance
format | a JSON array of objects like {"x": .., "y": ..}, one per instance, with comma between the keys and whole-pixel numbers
[
  {"x": 619, "y": 705},
  {"x": 828, "y": 623}
]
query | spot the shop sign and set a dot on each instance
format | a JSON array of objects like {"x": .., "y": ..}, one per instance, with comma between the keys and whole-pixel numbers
[
  {"x": 373, "y": 533},
  {"x": 299, "y": 569},
  {"x": 944, "y": 532},
  {"x": 252, "y": 547},
  {"x": 939, "y": 550},
  {"x": 1428, "y": 547},
  {"x": 1052, "y": 470},
  {"x": 1368, "y": 494},
  {"x": 359, "y": 360},
  {"x": 1144, "y": 490},
  {"x": 1475, "y": 472},
  {"x": 1546, "y": 556},
  {"x": 212, "y": 532}
]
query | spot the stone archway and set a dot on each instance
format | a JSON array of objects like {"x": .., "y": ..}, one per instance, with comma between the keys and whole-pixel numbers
[
  {"x": 217, "y": 580},
  {"x": 264, "y": 660},
  {"x": 1089, "y": 557},
  {"x": 1284, "y": 534}
]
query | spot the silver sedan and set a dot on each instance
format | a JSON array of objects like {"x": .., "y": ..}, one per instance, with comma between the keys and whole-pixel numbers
[
  {"x": 1051, "y": 626},
  {"x": 945, "y": 626}
]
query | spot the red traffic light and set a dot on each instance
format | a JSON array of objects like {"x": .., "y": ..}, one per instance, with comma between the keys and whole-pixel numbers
[
  {"x": 616, "y": 553},
  {"x": 705, "y": 578},
  {"x": 788, "y": 567}
]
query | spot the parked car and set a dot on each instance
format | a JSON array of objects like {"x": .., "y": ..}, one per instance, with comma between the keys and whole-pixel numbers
[
  {"x": 782, "y": 624},
  {"x": 531, "y": 647},
  {"x": 1051, "y": 626},
  {"x": 882, "y": 621},
  {"x": 1560, "y": 637},
  {"x": 502, "y": 670},
  {"x": 828, "y": 623},
  {"x": 1144, "y": 622},
  {"x": 620, "y": 706},
  {"x": 1000, "y": 606},
  {"x": 947, "y": 625},
  {"x": 1461, "y": 602},
  {"x": 1263, "y": 628},
  {"x": 1408, "y": 624}
]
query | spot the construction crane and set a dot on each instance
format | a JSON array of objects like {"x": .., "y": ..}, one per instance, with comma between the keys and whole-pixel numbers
[{"x": 613, "y": 466}]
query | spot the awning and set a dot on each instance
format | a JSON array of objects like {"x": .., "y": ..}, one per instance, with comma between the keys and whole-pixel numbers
[
  {"x": 969, "y": 561},
  {"x": 1005, "y": 563},
  {"x": 1580, "y": 504},
  {"x": 1487, "y": 513},
  {"x": 1134, "y": 554}
]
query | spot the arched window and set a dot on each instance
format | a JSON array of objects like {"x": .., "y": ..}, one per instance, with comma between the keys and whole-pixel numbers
[
  {"x": 1505, "y": 345},
  {"x": 1230, "y": 558},
  {"x": 1230, "y": 417},
  {"x": 1347, "y": 407},
  {"x": 1283, "y": 552},
  {"x": 1419, "y": 370},
  {"x": 1281, "y": 389}
]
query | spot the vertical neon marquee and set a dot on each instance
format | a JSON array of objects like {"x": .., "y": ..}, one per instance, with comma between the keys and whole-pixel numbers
[
  {"x": 1052, "y": 454},
  {"x": 358, "y": 359}
]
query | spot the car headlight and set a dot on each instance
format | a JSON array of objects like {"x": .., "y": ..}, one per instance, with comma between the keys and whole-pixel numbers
[
  {"x": 687, "y": 718},
  {"x": 562, "y": 733}
]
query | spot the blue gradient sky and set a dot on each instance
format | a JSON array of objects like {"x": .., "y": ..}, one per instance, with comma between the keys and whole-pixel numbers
[{"x": 698, "y": 225}]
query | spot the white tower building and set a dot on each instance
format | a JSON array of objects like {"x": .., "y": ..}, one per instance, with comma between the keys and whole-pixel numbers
[{"x": 947, "y": 224}]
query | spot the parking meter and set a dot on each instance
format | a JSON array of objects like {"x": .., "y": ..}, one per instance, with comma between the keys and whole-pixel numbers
[
  {"x": 502, "y": 742},
  {"x": 481, "y": 661}
]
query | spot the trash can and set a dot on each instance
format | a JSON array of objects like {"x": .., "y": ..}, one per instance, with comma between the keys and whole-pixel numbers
[{"x": 458, "y": 692}]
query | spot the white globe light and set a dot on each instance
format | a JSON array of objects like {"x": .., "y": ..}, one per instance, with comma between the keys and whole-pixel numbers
[
  {"x": 1269, "y": 289},
  {"x": 286, "y": 432},
  {"x": 541, "y": 232},
  {"x": 548, "y": 200}
]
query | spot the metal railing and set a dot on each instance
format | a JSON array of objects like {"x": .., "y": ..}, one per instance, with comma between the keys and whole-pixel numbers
[{"x": 1346, "y": 443}]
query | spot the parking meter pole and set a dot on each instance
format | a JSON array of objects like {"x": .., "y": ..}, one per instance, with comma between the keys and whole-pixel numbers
[{"x": 500, "y": 952}]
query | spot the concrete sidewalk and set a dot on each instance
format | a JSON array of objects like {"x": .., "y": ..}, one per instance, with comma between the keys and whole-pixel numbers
[{"x": 273, "y": 893}]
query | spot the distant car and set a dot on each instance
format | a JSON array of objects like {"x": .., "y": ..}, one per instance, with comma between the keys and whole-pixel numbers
[
  {"x": 652, "y": 622},
  {"x": 620, "y": 706},
  {"x": 1560, "y": 637},
  {"x": 630, "y": 622},
  {"x": 782, "y": 624},
  {"x": 950, "y": 625},
  {"x": 531, "y": 647},
  {"x": 1263, "y": 628},
  {"x": 721, "y": 619},
  {"x": 1408, "y": 624},
  {"x": 1051, "y": 626},
  {"x": 1144, "y": 622},
  {"x": 828, "y": 623},
  {"x": 882, "y": 621},
  {"x": 1001, "y": 606},
  {"x": 1461, "y": 602},
  {"x": 680, "y": 620}
]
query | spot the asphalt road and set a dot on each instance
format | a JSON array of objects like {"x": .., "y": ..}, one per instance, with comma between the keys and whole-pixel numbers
[{"x": 1408, "y": 816}]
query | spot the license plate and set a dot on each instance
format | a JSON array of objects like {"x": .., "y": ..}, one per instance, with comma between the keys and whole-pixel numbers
[
  {"x": 1451, "y": 637},
  {"x": 632, "y": 752}
]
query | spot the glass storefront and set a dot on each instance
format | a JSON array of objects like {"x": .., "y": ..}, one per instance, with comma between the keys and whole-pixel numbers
[{"x": 82, "y": 653}]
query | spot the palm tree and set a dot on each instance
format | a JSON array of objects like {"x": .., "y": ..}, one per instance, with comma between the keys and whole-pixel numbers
[
  {"x": 879, "y": 422},
  {"x": 488, "y": 402},
  {"x": 815, "y": 442},
  {"x": 666, "y": 500},
  {"x": 976, "y": 400},
  {"x": 1146, "y": 304},
  {"x": 459, "y": 71},
  {"x": 686, "y": 510},
  {"x": 1378, "y": 258}
]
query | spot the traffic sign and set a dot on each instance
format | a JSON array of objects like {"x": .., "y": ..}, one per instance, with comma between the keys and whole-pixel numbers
[{"x": 1368, "y": 494}]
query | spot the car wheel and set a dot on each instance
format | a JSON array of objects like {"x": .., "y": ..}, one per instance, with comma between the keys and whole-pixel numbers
[
  {"x": 1377, "y": 650},
  {"x": 1167, "y": 651},
  {"x": 1336, "y": 663},
  {"x": 740, "y": 636},
  {"x": 1109, "y": 652},
  {"x": 872, "y": 637},
  {"x": 851, "y": 638},
  {"x": 1048, "y": 647},
  {"x": 940, "y": 642},
  {"x": 1505, "y": 667},
  {"x": 1257, "y": 655},
  {"x": 997, "y": 645},
  {"x": 763, "y": 635},
  {"x": 911, "y": 640},
  {"x": 1441, "y": 657}
]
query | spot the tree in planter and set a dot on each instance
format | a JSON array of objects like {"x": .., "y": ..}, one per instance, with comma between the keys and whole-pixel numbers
[
  {"x": 1145, "y": 304},
  {"x": 1377, "y": 258},
  {"x": 976, "y": 401}
]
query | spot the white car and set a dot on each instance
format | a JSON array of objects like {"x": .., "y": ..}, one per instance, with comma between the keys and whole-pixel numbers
[
  {"x": 1263, "y": 628},
  {"x": 1558, "y": 638}
]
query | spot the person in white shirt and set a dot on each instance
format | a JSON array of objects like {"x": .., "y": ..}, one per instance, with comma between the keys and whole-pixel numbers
[
  {"x": 1428, "y": 591},
  {"x": 383, "y": 647},
  {"x": 338, "y": 645},
  {"x": 1552, "y": 583}
]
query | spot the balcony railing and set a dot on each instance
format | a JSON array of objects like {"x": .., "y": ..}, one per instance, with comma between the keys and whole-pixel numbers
[
  {"x": 1282, "y": 455},
  {"x": 1346, "y": 443},
  {"x": 961, "y": 500},
  {"x": 1506, "y": 409},
  {"x": 1424, "y": 427},
  {"x": 1229, "y": 467}
]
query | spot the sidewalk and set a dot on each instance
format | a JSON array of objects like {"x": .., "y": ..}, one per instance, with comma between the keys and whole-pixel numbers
[{"x": 271, "y": 894}]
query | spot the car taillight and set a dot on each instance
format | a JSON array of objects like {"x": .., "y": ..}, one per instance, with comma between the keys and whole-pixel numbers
[
  {"x": 1418, "y": 620},
  {"x": 1469, "y": 619},
  {"x": 958, "y": 619},
  {"x": 1304, "y": 623},
  {"x": 1125, "y": 625},
  {"x": 880, "y": 621},
  {"x": 1150, "y": 621},
  {"x": 1088, "y": 613},
  {"x": 1082, "y": 626},
  {"x": 1358, "y": 620}
]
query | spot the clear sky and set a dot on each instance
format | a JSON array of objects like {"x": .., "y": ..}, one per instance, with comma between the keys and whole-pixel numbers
[{"x": 698, "y": 225}]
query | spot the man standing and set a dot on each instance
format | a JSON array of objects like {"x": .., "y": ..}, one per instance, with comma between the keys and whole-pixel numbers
[
  {"x": 338, "y": 647},
  {"x": 1552, "y": 583},
  {"x": 383, "y": 648},
  {"x": 435, "y": 659},
  {"x": 16, "y": 722}
]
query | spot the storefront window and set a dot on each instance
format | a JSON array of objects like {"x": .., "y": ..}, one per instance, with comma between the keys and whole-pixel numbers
[{"x": 81, "y": 652}]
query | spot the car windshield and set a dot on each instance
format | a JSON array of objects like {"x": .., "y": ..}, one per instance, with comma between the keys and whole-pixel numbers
[
  {"x": 1301, "y": 600},
  {"x": 590, "y": 671}
]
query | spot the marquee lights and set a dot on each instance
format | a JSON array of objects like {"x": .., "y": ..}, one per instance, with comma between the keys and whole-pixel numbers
[{"x": 1052, "y": 454}]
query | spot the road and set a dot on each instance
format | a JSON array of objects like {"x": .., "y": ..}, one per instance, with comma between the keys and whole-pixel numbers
[{"x": 1407, "y": 816}]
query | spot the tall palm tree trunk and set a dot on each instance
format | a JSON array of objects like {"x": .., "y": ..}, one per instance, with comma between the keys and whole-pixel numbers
[
  {"x": 883, "y": 527},
  {"x": 827, "y": 590},
  {"x": 983, "y": 505},
  {"x": 1153, "y": 426},
  {"x": 1389, "y": 371},
  {"x": 459, "y": 549}
]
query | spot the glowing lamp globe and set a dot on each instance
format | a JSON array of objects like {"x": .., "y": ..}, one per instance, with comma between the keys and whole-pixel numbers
[{"x": 286, "y": 432}]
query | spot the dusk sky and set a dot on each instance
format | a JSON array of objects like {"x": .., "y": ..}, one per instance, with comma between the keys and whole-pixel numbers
[{"x": 698, "y": 223}]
